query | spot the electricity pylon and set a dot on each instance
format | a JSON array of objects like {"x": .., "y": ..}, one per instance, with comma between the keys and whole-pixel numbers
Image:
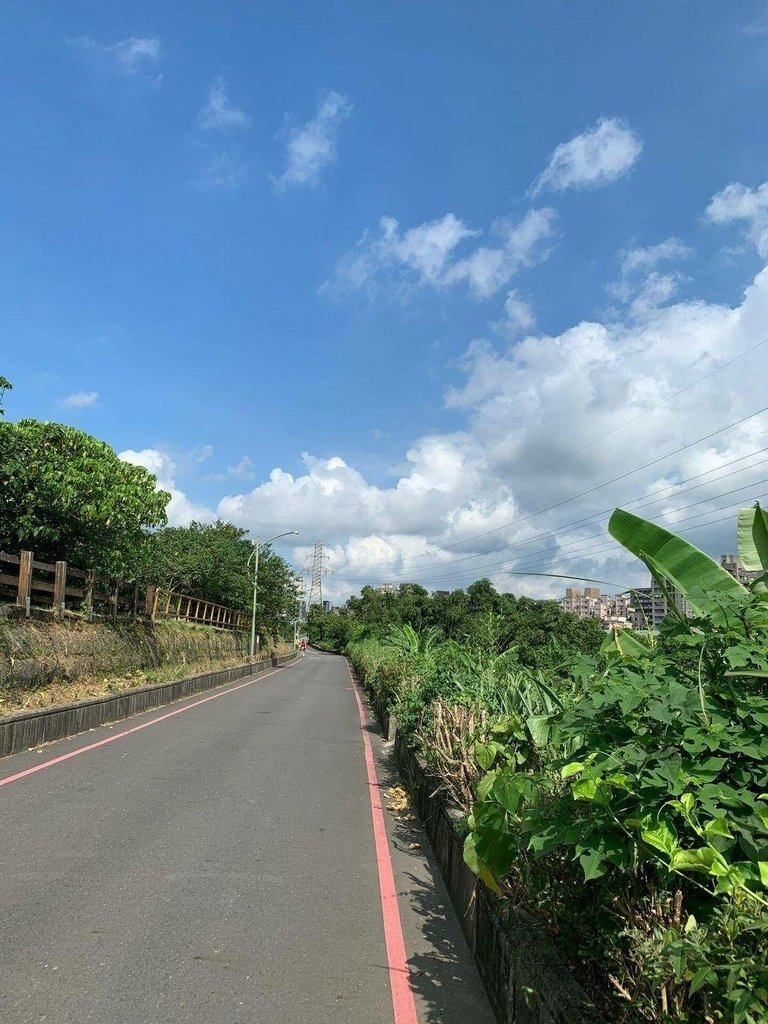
[{"x": 318, "y": 569}]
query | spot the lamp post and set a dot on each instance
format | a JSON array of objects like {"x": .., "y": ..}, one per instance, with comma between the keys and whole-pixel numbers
[{"x": 257, "y": 545}]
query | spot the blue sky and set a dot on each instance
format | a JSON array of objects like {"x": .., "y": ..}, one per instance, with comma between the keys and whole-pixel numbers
[{"x": 195, "y": 268}]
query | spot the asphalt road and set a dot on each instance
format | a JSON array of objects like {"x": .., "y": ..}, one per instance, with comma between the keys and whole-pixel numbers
[{"x": 216, "y": 868}]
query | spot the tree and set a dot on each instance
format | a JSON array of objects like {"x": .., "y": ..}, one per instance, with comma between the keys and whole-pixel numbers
[
  {"x": 66, "y": 495},
  {"x": 5, "y": 385},
  {"x": 214, "y": 561}
]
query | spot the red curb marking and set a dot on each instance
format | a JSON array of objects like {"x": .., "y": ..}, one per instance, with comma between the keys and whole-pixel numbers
[
  {"x": 403, "y": 1004},
  {"x": 127, "y": 732}
]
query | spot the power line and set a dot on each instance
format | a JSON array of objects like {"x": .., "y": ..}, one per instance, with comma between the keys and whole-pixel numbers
[
  {"x": 596, "y": 487},
  {"x": 589, "y": 519},
  {"x": 559, "y": 548},
  {"x": 470, "y": 573}
]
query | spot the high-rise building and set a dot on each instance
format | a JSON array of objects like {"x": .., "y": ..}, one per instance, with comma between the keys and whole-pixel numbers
[
  {"x": 732, "y": 564},
  {"x": 650, "y": 605}
]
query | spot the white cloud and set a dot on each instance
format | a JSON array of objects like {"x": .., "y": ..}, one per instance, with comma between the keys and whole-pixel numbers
[
  {"x": 641, "y": 284},
  {"x": 527, "y": 409},
  {"x": 740, "y": 202},
  {"x": 597, "y": 157},
  {"x": 218, "y": 112},
  {"x": 133, "y": 57},
  {"x": 518, "y": 315},
  {"x": 243, "y": 469},
  {"x": 80, "y": 400},
  {"x": 181, "y": 511},
  {"x": 550, "y": 426},
  {"x": 135, "y": 54},
  {"x": 427, "y": 255},
  {"x": 644, "y": 258},
  {"x": 312, "y": 147}
]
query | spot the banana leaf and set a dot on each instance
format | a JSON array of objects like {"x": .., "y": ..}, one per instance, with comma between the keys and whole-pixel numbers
[
  {"x": 630, "y": 643},
  {"x": 752, "y": 538},
  {"x": 704, "y": 583}
]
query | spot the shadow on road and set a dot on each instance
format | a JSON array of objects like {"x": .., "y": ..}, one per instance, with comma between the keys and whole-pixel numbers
[{"x": 443, "y": 973}]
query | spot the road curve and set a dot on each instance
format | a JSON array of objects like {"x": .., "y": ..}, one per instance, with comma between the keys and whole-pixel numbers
[{"x": 217, "y": 867}]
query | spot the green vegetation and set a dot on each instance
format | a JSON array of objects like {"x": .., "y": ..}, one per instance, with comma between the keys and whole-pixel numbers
[
  {"x": 5, "y": 385},
  {"x": 66, "y": 495},
  {"x": 542, "y": 636},
  {"x": 624, "y": 799},
  {"x": 211, "y": 560}
]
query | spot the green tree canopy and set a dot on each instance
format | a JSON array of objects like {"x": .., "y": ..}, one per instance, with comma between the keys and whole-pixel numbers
[
  {"x": 66, "y": 495},
  {"x": 214, "y": 561},
  {"x": 543, "y": 635},
  {"x": 5, "y": 385}
]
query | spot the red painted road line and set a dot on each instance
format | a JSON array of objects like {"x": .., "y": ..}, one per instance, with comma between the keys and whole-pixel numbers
[
  {"x": 403, "y": 1004},
  {"x": 127, "y": 732}
]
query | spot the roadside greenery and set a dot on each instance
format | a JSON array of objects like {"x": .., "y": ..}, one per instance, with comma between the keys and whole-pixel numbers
[
  {"x": 542, "y": 636},
  {"x": 213, "y": 561},
  {"x": 66, "y": 495},
  {"x": 624, "y": 800}
]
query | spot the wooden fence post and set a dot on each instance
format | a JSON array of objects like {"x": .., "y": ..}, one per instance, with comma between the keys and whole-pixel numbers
[
  {"x": 23, "y": 599},
  {"x": 90, "y": 582},
  {"x": 60, "y": 590}
]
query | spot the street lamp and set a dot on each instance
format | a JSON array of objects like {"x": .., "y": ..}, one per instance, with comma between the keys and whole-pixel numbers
[{"x": 257, "y": 545}]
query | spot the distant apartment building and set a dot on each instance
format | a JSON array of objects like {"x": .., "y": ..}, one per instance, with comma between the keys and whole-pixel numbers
[
  {"x": 388, "y": 588},
  {"x": 641, "y": 608},
  {"x": 590, "y": 603},
  {"x": 732, "y": 564},
  {"x": 649, "y": 607}
]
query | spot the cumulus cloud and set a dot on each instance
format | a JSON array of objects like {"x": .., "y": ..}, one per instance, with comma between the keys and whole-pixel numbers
[
  {"x": 738, "y": 202},
  {"x": 80, "y": 400},
  {"x": 181, "y": 511},
  {"x": 556, "y": 429},
  {"x": 219, "y": 112},
  {"x": 312, "y": 147},
  {"x": 427, "y": 255},
  {"x": 550, "y": 421},
  {"x": 597, "y": 157}
]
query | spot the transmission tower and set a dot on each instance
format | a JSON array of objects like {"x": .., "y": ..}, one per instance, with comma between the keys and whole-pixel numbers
[{"x": 318, "y": 569}]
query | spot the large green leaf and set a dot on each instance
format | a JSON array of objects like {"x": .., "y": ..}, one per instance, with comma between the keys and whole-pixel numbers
[
  {"x": 752, "y": 538},
  {"x": 703, "y": 582}
]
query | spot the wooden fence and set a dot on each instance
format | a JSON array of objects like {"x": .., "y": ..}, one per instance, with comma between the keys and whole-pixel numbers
[{"x": 68, "y": 591}]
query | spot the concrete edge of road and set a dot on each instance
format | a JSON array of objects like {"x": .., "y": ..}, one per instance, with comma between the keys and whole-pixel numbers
[
  {"x": 27, "y": 729},
  {"x": 525, "y": 978}
]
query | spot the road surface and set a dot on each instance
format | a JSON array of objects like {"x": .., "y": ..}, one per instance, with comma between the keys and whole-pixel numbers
[{"x": 218, "y": 866}]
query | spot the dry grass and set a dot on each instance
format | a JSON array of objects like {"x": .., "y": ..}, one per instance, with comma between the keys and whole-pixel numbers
[
  {"x": 21, "y": 699},
  {"x": 451, "y": 744}
]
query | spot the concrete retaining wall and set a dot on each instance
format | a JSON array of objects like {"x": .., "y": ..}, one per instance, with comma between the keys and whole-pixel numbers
[
  {"x": 31, "y": 728},
  {"x": 526, "y": 980}
]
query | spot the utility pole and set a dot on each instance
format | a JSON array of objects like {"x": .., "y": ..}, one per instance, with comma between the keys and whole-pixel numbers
[{"x": 256, "y": 546}]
